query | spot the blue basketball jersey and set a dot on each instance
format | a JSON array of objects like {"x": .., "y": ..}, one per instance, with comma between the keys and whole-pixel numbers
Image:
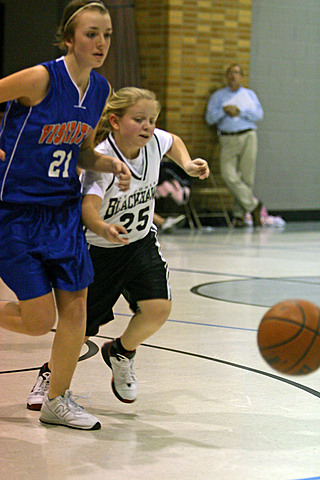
[{"x": 42, "y": 142}]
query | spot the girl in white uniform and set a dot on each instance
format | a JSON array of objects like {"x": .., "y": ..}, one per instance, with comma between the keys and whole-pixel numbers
[{"x": 123, "y": 241}]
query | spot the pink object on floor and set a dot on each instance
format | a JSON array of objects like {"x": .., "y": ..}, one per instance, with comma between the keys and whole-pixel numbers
[{"x": 266, "y": 219}]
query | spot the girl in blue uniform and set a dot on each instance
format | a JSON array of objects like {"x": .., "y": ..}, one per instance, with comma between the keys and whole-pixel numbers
[{"x": 47, "y": 131}]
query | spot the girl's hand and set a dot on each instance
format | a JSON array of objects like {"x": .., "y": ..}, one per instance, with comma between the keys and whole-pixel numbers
[
  {"x": 113, "y": 233},
  {"x": 198, "y": 168},
  {"x": 124, "y": 180},
  {"x": 123, "y": 174},
  {"x": 2, "y": 155}
]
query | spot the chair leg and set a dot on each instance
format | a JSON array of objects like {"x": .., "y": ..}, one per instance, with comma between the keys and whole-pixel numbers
[
  {"x": 225, "y": 213},
  {"x": 223, "y": 207},
  {"x": 189, "y": 216},
  {"x": 194, "y": 214}
]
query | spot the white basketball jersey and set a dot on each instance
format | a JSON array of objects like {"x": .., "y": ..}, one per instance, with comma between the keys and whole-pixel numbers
[{"x": 134, "y": 208}]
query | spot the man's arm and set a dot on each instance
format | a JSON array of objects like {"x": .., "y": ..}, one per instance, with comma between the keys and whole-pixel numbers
[{"x": 215, "y": 111}]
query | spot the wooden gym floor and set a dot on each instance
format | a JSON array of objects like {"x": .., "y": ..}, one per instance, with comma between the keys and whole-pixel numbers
[{"x": 209, "y": 407}]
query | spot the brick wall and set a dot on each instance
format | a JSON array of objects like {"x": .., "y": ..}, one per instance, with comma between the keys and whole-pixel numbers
[{"x": 185, "y": 47}]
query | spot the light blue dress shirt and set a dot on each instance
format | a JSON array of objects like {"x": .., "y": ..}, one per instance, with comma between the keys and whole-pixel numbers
[{"x": 247, "y": 118}]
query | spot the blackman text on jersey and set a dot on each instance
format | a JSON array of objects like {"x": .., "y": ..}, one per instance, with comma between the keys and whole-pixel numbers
[{"x": 116, "y": 205}]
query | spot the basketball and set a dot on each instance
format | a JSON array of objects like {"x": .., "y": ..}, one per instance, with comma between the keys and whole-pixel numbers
[{"x": 289, "y": 337}]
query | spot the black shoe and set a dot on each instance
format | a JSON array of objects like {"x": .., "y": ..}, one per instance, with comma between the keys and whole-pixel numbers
[
  {"x": 238, "y": 222},
  {"x": 256, "y": 215}
]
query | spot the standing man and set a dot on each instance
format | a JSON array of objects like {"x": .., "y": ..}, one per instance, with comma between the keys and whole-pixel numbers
[{"x": 236, "y": 110}]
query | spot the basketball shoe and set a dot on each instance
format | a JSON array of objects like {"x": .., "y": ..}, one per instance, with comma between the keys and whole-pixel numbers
[
  {"x": 63, "y": 410},
  {"x": 171, "y": 223},
  {"x": 35, "y": 397},
  {"x": 124, "y": 383}
]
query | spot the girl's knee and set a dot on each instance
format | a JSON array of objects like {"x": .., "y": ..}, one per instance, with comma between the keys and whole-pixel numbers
[
  {"x": 166, "y": 310},
  {"x": 38, "y": 315},
  {"x": 158, "y": 311},
  {"x": 38, "y": 327}
]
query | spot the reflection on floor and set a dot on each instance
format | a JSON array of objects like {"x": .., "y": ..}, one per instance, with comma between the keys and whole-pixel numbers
[{"x": 209, "y": 408}]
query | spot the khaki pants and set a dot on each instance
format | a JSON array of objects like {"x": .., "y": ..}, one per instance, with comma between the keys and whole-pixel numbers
[{"x": 238, "y": 166}]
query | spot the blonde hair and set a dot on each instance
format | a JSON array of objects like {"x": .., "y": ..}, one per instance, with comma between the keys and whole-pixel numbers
[
  {"x": 118, "y": 104},
  {"x": 68, "y": 21}
]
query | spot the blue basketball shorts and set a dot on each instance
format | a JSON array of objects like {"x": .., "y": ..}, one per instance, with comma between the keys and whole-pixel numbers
[
  {"x": 43, "y": 247},
  {"x": 137, "y": 271}
]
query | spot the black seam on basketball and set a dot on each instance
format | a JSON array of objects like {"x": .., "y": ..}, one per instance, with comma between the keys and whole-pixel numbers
[
  {"x": 292, "y": 322},
  {"x": 304, "y": 355},
  {"x": 286, "y": 320}
]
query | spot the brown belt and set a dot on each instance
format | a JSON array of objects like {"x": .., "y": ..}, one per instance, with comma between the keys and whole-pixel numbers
[{"x": 237, "y": 133}]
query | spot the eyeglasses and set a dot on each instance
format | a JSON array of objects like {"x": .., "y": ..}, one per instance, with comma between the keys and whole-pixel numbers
[{"x": 234, "y": 71}]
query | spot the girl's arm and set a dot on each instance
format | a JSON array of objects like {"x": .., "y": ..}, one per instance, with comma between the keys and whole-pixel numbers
[
  {"x": 91, "y": 205},
  {"x": 91, "y": 160},
  {"x": 180, "y": 155},
  {"x": 29, "y": 86}
]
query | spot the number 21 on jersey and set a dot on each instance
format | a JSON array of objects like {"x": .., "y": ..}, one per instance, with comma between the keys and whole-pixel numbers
[{"x": 60, "y": 167}]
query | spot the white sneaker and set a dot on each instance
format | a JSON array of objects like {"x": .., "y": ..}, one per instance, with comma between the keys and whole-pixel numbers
[
  {"x": 172, "y": 222},
  {"x": 124, "y": 383},
  {"x": 63, "y": 410},
  {"x": 35, "y": 397}
]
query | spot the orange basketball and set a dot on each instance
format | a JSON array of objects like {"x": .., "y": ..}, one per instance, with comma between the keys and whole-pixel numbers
[{"x": 289, "y": 337}]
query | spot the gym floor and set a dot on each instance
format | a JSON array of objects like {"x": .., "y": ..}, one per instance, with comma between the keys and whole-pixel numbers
[{"x": 209, "y": 407}]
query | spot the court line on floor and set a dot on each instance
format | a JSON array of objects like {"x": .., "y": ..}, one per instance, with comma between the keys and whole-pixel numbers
[
  {"x": 236, "y": 365},
  {"x": 215, "y": 295},
  {"x": 230, "y": 327},
  {"x": 185, "y": 322},
  {"x": 309, "y": 478},
  {"x": 218, "y": 274},
  {"x": 291, "y": 278},
  {"x": 213, "y": 325},
  {"x": 231, "y": 364},
  {"x": 93, "y": 349}
]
